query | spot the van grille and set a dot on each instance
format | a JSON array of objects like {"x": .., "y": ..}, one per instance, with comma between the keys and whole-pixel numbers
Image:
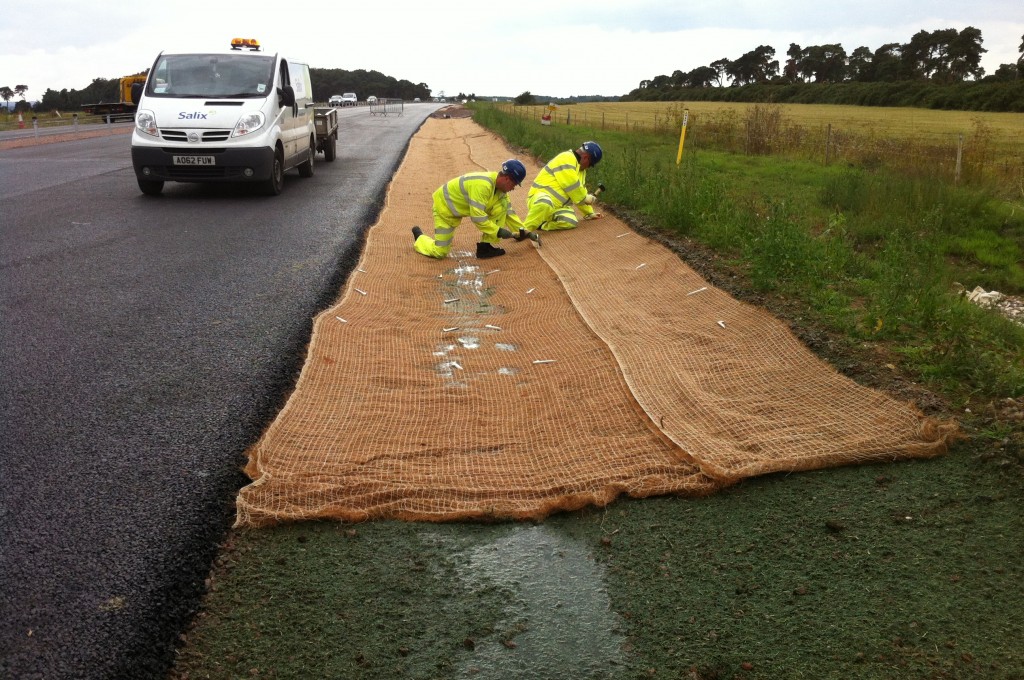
[{"x": 182, "y": 135}]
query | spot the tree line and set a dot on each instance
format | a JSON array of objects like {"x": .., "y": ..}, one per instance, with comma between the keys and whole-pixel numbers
[
  {"x": 326, "y": 82},
  {"x": 7, "y": 94},
  {"x": 331, "y": 81},
  {"x": 941, "y": 59}
]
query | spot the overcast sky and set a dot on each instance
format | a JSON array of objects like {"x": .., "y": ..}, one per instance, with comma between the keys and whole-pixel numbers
[{"x": 560, "y": 49}]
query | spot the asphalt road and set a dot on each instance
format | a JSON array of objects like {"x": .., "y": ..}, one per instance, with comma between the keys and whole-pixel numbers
[{"x": 146, "y": 343}]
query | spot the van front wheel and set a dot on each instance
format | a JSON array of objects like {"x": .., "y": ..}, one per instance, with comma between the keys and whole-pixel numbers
[
  {"x": 306, "y": 169},
  {"x": 151, "y": 187},
  {"x": 275, "y": 185}
]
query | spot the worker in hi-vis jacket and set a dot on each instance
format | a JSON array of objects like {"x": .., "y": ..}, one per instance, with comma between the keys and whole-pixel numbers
[
  {"x": 559, "y": 186},
  {"x": 483, "y": 198}
]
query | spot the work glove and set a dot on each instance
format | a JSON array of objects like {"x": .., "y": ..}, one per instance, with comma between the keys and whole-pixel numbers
[
  {"x": 593, "y": 216},
  {"x": 504, "y": 233},
  {"x": 589, "y": 200}
]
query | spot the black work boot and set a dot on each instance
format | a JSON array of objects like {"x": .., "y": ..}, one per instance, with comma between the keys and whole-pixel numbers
[
  {"x": 416, "y": 233},
  {"x": 485, "y": 250}
]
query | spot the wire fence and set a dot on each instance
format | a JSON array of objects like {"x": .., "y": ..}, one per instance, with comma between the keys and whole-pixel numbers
[{"x": 979, "y": 154}]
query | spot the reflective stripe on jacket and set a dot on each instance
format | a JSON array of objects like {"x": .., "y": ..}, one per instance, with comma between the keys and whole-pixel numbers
[
  {"x": 475, "y": 195},
  {"x": 564, "y": 181},
  {"x": 472, "y": 195}
]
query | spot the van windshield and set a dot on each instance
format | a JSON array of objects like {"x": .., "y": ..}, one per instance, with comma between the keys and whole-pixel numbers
[{"x": 212, "y": 75}]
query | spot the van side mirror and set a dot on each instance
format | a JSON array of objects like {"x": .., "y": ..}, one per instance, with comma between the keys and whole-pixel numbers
[{"x": 287, "y": 95}]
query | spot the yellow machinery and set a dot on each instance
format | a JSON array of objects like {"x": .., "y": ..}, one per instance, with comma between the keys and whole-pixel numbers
[{"x": 127, "y": 104}]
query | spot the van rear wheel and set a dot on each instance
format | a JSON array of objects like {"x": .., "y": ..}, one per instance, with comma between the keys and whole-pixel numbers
[
  {"x": 331, "y": 148},
  {"x": 275, "y": 185}
]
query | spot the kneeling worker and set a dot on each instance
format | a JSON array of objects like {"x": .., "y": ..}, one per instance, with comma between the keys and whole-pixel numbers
[
  {"x": 483, "y": 198},
  {"x": 560, "y": 185}
]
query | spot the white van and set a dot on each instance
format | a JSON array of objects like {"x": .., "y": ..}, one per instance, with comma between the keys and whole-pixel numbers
[{"x": 238, "y": 115}]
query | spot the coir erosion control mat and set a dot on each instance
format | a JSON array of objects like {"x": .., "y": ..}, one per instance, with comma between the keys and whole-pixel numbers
[{"x": 546, "y": 379}]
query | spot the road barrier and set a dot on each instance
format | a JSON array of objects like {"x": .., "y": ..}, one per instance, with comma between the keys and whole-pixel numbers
[
  {"x": 383, "y": 107},
  {"x": 46, "y": 120}
]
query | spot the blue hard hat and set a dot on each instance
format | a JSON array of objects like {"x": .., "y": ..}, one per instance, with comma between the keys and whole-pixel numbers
[
  {"x": 514, "y": 169},
  {"x": 593, "y": 150}
]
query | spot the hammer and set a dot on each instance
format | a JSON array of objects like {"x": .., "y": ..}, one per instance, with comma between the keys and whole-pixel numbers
[
  {"x": 532, "y": 235},
  {"x": 593, "y": 197}
]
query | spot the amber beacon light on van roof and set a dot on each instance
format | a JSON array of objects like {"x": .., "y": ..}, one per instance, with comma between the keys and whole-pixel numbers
[{"x": 245, "y": 43}]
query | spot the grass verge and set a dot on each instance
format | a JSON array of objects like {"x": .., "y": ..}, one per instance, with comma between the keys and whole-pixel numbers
[{"x": 877, "y": 571}]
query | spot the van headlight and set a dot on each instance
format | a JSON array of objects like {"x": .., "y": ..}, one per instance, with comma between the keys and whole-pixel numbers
[
  {"x": 145, "y": 122},
  {"x": 247, "y": 124}
]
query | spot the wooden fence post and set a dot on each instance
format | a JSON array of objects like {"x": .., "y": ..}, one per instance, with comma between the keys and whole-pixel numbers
[{"x": 828, "y": 144}]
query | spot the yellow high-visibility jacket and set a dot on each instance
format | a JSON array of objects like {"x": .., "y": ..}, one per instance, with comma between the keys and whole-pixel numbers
[
  {"x": 564, "y": 180},
  {"x": 475, "y": 195}
]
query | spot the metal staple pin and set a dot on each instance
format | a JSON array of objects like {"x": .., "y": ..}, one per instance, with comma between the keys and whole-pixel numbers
[
  {"x": 543, "y": 361},
  {"x": 693, "y": 292},
  {"x": 642, "y": 265},
  {"x": 493, "y": 271},
  {"x": 449, "y": 330},
  {"x": 456, "y": 365},
  {"x": 495, "y": 328},
  {"x": 722, "y": 324},
  {"x": 340, "y": 319},
  {"x": 361, "y": 292},
  {"x": 621, "y": 235},
  {"x": 451, "y": 300}
]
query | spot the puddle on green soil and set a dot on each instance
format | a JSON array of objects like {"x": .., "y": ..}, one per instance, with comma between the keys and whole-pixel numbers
[{"x": 558, "y": 624}]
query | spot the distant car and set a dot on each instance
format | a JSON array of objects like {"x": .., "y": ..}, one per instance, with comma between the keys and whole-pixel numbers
[
  {"x": 417, "y": 99},
  {"x": 371, "y": 99},
  {"x": 349, "y": 99},
  {"x": 335, "y": 100}
]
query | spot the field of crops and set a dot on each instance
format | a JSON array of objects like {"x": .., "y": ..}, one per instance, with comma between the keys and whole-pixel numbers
[{"x": 988, "y": 145}]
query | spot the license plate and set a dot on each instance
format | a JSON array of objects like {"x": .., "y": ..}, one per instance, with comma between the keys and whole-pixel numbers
[{"x": 193, "y": 160}]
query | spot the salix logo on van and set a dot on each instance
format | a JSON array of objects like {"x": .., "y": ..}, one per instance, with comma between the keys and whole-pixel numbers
[{"x": 194, "y": 115}]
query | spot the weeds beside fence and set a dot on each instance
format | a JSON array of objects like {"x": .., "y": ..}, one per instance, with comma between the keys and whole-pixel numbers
[{"x": 984, "y": 149}]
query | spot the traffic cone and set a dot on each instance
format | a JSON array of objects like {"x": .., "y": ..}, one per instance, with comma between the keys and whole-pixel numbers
[{"x": 21, "y": 121}]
